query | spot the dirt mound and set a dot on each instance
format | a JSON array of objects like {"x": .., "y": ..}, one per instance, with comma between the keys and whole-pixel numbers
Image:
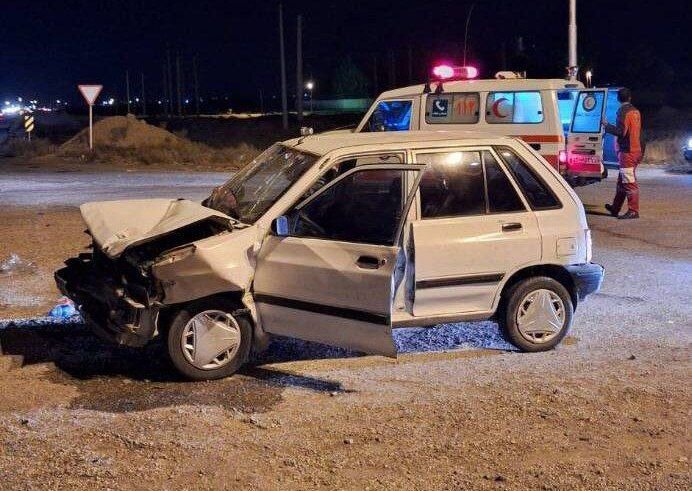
[
  {"x": 121, "y": 140},
  {"x": 123, "y": 132}
]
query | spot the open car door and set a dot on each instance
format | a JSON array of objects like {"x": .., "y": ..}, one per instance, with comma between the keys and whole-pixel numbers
[
  {"x": 585, "y": 138},
  {"x": 329, "y": 271}
]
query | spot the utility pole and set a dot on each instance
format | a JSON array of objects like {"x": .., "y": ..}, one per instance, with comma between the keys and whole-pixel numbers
[
  {"x": 165, "y": 90},
  {"x": 196, "y": 82},
  {"x": 299, "y": 67},
  {"x": 284, "y": 95},
  {"x": 127, "y": 89},
  {"x": 179, "y": 89},
  {"x": 572, "y": 68},
  {"x": 144, "y": 98},
  {"x": 170, "y": 82}
]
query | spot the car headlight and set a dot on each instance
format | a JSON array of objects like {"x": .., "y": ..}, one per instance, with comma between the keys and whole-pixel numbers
[{"x": 176, "y": 255}]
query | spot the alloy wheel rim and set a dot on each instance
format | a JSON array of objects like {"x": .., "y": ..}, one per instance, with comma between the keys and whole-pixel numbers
[
  {"x": 210, "y": 339},
  {"x": 540, "y": 316}
]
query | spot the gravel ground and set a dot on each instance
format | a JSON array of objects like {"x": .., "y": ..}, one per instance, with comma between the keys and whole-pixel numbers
[{"x": 608, "y": 409}]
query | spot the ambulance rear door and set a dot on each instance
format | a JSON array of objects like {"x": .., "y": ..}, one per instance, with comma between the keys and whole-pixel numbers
[{"x": 585, "y": 138}]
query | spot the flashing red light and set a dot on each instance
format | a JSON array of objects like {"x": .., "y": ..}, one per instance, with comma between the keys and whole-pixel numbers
[
  {"x": 447, "y": 72},
  {"x": 562, "y": 156},
  {"x": 443, "y": 72}
]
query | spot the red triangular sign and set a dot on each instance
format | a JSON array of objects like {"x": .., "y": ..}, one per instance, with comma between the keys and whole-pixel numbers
[{"x": 90, "y": 92}]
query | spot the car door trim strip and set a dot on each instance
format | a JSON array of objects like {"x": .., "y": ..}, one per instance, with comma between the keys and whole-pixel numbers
[
  {"x": 357, "y": 315},
  {"x": 460, "y": 280}
]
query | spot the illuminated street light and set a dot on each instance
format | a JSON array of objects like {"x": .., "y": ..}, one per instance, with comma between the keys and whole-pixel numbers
[
  {"x": 588, "y": 74},
  {"x": 310, "y": 85}
]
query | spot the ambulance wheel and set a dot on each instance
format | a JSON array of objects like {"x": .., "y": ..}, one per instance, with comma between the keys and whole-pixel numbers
[
  {"x": 537, "y": 314},
  {"x": 206, "y": 341}
]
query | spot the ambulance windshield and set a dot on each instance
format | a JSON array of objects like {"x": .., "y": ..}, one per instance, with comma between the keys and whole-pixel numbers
[{"x": 390, "y": 116}]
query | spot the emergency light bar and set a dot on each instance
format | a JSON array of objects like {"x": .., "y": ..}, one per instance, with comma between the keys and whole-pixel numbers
[{"x": 449, "y": 72}]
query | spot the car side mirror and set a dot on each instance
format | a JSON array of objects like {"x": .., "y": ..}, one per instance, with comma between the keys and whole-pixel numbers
[{"x": 280, "y": 226}]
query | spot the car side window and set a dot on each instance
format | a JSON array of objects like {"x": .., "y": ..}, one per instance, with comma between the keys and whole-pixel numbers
[
  {"x": 364, "y": 207},
  {"x": 537, "y": 192},
  {"x": 346, "y": 165},
  {"x": 452, "y": 184},
  {"x": 502, "y": 197}
]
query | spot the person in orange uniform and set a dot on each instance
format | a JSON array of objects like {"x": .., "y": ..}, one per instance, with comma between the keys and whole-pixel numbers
[{"x": 627, "y": 129}]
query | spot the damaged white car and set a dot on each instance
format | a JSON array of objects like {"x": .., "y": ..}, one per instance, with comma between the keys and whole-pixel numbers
[{"x": 338, "y": 239}]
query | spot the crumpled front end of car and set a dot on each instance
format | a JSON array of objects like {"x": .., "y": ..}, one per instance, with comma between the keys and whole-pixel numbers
[{"x": 120, "y": 303}]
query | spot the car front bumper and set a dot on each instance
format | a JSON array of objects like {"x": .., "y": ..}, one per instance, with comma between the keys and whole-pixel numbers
[
  {"x": 587, "y": 278},
  {"x": 107, "y": 307}
]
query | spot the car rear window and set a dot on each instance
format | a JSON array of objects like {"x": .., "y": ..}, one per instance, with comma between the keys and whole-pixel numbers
[{"x": 537, "y": 192}]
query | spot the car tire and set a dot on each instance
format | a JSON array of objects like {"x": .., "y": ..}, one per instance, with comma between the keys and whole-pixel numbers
[
  {"x": 203, "y": 327},
  {"x": 533, "y": 305}
]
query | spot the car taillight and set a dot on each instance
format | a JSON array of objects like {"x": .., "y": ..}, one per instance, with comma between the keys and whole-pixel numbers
[{"x": 562, "y": 156}]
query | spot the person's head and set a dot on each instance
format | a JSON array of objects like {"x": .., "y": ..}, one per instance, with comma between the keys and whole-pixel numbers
[{"x": 624, "y": 95}]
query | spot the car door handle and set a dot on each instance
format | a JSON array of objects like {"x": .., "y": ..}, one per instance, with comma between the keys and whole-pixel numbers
[
  {"x": 510, "y": 227},
  {"x": 370, "y": 262}
]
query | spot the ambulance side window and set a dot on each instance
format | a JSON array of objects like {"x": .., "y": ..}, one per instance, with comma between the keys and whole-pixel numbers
[
  {"x": 459, "y": 108},
  {"x": 390, "y": 116},
  {"x": 514, "y": 107}
]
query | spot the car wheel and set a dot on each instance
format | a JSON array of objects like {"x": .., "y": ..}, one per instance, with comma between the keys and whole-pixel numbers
[
  {"x": 537, "y": 314},
  {"x": 207, "y": 341}
]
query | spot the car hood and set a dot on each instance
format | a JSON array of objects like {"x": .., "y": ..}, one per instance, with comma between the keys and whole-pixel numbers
[{"x": 117, "y": 225}]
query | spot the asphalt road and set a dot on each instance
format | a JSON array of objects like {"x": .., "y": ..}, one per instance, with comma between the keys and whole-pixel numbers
[{"x": 43, "y": 188}]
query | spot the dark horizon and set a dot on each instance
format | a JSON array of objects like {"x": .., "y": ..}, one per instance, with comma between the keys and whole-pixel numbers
[{"x": 45, "y": 50}]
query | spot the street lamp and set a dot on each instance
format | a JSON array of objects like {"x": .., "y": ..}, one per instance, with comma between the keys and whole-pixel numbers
[
  {"x": 310, "y": 85},
  {"x": 588, "y": 74}
]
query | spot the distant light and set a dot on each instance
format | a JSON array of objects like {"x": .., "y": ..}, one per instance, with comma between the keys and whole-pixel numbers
[
  {"x": 187, "y": 101},
  {"x": 57, "y": 101},
  {"x": 19, "y": 99},
  {"x": 7, "y": 103},
  {"x": 310, "y": 85},
  {"x": 443, "y": 72},
  {"x": 11, "y": 109},
  {"x": 159, "y": 103},
  {"x": 136, "y": 99},
  {"x": 562, "y": 156},
  {"x": 111, "y": 101},
  {"x": 689, "y": 142}
]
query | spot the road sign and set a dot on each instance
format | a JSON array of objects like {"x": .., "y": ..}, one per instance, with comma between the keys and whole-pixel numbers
[
  {"x": 90, "y": 93},
  {"x": 29, "y": 124}
]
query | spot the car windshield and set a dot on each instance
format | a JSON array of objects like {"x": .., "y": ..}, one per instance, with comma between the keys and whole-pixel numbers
[{"x": 255, "y": 188}]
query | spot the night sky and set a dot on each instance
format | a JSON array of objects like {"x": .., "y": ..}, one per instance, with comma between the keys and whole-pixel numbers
[{"x": 47, "y": 47}]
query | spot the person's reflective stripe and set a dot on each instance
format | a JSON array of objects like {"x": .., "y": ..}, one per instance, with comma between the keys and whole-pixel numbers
[{"x": 627, "y": 175}]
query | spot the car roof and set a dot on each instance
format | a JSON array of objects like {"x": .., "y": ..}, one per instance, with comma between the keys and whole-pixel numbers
[
  {"x": 482, "y": 85},
  {"x": 322, "y": 144}
]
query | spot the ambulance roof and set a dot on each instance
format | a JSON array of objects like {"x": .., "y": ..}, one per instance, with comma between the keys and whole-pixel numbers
[
  {"x": 487, "y": 85},
  {"x": 322, "y": 144}
]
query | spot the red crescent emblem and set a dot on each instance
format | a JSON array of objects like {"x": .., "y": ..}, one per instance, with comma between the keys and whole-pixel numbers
[{"x": 496, "y": 107}]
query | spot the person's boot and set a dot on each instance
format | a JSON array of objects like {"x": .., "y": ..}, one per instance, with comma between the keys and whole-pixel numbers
[
  {"x": 611, "y": 210},
  {"x": 629, "y": 215}
]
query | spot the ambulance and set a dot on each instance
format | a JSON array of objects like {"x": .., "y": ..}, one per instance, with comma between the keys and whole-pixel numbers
[{"x": 559, "y": 119}]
